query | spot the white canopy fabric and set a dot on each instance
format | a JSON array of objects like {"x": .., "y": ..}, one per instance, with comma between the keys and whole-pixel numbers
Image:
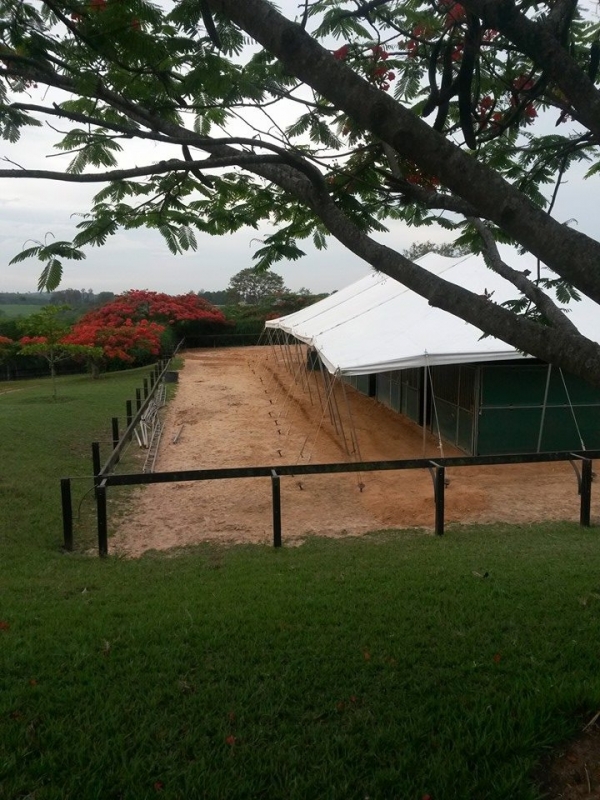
[{"x": 376, "y": 324}]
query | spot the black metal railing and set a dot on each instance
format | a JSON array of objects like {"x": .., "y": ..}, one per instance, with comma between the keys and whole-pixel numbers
[{"x": 581, "y": 462}]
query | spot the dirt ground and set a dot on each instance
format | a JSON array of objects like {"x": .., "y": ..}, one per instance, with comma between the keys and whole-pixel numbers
[{"x": 234, "y": 407}]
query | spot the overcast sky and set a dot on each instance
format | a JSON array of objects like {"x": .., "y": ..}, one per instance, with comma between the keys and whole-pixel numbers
[{"x": 33, "y": 210}]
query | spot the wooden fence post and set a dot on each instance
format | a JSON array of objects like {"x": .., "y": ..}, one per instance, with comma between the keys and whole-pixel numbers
[{"x": 67, "y": 513}]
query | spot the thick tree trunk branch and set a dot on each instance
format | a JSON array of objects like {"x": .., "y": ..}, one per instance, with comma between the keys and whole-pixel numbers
[
  {"x": 567, "y": 349},
  {"x": 569, "y": 253},
  {"x": 540, "y": 42}
]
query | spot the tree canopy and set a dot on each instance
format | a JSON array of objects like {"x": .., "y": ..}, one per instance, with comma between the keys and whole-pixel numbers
[
  {"x": 348, "y": 117},
  {"x": 253, "y": 286}
]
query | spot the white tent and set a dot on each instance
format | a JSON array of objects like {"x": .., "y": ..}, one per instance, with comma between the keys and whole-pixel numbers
[{"x": 378, "y": 325}]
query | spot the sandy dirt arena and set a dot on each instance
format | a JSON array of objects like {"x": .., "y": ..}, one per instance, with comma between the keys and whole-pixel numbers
[{"x": 234, "y": 407}]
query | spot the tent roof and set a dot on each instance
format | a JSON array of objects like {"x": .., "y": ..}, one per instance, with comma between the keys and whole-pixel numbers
[{"x": 376, "y": 324}]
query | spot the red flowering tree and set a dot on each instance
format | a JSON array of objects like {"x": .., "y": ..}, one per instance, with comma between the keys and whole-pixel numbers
[
  {"x": 138, "y": 324},
  {"x": 45, "y": 337},
  {"x": 183, "y": 314},
  {"x": 127, "y": 342},
  {"x": 8, "y": 348}
]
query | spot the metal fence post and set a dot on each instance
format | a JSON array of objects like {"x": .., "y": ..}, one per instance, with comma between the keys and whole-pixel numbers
[
  {"x": 586, "y": 492},
  {"x": 102, "y": 520},
  {"x": 138, "y": 399},
  {"x": 96, "y": 467},
  {"x": 276, "y": 489},
  {"x": 146, "y": 388},
  {"x": 438, "y": 476},
  {"x": 67, "y": 513},
  {"x": 440, "y": 487},
  {"x": 115, "y": 432},
  {"x": 128, "y": 413}
]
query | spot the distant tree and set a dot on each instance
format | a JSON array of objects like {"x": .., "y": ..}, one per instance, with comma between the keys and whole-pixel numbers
[
  {"x": 70, "y": 297},
  {"x": 103, "y": 297},
  {"x": 290, "y": 302},
  {"x": 252, "y": 286},
  {"x": 217, "y": 298}
]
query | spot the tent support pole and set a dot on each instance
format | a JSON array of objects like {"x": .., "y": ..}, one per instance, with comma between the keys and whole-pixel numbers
[
  {"x": 327, "y": 385},
  {"x": 544, "y": 406},
  {"x": 435, "y": 414},
  {"x": 271, "y": 343},
  {"x": 353, "y": 434},
  {"x": 289, "y": 357},
  {"x": 302, "y": 369},
  {"x": 334, "y": 412},
  {"x": 339, "y": 416},
  {"x": 306, "y": 373},
  {"x": 280, "y": 337},
  {"x": 317, "y": 382}
]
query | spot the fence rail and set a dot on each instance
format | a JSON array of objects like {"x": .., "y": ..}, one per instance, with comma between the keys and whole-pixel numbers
[{"x": 580, "y": 460}]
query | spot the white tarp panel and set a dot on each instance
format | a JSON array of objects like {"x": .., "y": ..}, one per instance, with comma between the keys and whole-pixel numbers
[
  {"x": 303, "y": 324},
  {"x": 377, "y": 325}
]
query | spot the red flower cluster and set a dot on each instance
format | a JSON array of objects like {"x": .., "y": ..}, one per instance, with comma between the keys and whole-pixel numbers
[
  {"x": 118, "y": 342},
  {"x": 136, "y": 320},
  {"x": 412, "y": 46},
  {"x": 417, "y": 177},
  {"x": 33, "y": 340},
  {"x": 341, "y": 54},
  {"x": 380, "y": 74},
  {"x": 167, "y": 309},
  {"x": 522, "y": 86},
  {"x": 455, "y": 14},
  {"x": 95, "y": 7}
]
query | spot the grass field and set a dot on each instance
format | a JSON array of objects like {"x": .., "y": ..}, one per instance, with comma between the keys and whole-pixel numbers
[
  {"x": 389, "y": 667},
  {"x": 12, "y": 310}
]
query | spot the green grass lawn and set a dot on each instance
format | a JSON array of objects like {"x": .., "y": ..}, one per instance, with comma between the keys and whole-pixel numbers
[{"x": 388, "y": 667}]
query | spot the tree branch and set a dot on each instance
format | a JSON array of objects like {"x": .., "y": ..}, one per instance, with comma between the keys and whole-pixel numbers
[
  {"x": 538, "y": 40},
  {"x": 160, "y": 168},
  {"x": 538, "y": 297},
  {"x": 567, "y": 252}
]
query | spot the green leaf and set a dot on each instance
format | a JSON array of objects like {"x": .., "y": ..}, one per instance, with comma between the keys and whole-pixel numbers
[{"x": 51, "y": 276}]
